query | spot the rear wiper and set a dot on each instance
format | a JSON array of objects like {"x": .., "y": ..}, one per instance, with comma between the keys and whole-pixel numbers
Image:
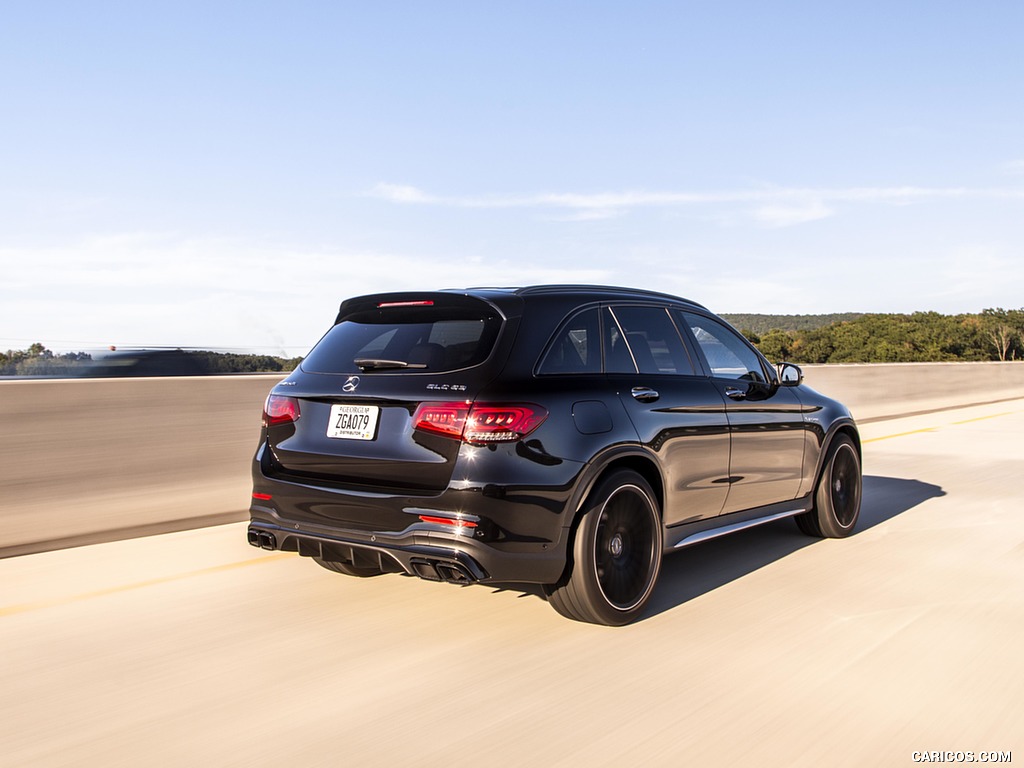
[{"x": 375, "y": 364}]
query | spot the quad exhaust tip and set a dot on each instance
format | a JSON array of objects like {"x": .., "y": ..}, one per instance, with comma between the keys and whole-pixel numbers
[
  {"x": 433, "y": 570},
  {"x": 261, "y": 539},
  {"x": 429, "y": 569}
]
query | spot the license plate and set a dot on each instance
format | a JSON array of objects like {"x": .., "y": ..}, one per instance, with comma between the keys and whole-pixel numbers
[{"x": 353, "y": 422}]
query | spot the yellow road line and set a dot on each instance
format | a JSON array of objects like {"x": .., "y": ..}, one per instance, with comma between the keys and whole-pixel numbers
[
  {"x": 898, "y": 434},
  {"x": 933, "y": 429},
  {"x": 10, "y": 610},
  {"x": 982, "y": 418}
]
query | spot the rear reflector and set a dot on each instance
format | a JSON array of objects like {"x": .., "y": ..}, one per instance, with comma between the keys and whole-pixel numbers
[
  {"x": 448, "y": 521},
  {"x": 280, "y": 410},
  {"x": 262, "y": 496},
  {"x": 480, "y": 423}
]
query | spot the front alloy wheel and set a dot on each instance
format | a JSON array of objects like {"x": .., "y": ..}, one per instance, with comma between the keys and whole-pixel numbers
[{"x": 837, "y": 498}]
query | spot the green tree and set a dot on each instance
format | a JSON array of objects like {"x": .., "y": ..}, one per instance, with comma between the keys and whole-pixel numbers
[
  {"x": 777, "y": 345},
  {"x": 1004, "y": 330}
]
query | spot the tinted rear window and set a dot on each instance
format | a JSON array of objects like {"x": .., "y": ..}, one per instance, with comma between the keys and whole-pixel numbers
[{"x": 427, "y": 340}]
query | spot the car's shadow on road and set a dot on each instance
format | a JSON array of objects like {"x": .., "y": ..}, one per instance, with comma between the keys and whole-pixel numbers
[
  {"x": 705, "y": 567},
  {"x": 702, "y": 568}
]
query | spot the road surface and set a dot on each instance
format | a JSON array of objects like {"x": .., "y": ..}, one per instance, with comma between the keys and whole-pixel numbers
[{"x": 764, "y": 648}]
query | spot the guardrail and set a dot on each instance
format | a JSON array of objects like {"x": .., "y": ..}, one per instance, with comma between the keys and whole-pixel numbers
[{"x": 84, "y": 460}]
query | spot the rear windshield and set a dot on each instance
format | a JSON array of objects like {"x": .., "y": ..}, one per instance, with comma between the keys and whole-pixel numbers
[{"x": 402, "y": 341}]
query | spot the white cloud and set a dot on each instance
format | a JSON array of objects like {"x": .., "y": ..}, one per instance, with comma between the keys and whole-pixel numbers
[
  {"x": 789, "y": 215},
  {"x": 155, "y": 289},
  {"x": 775, "y": 206},
  {"x": 587, "y": 214},
  {"x": 401, "y": 193},
  {"x": 1014, "y": 168}
]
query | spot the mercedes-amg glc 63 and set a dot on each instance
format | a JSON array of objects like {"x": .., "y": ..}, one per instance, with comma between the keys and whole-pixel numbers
[{"x": 567, "y": 436}]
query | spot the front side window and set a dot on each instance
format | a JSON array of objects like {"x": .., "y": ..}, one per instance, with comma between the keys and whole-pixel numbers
[{"x": 728, "y": 355}]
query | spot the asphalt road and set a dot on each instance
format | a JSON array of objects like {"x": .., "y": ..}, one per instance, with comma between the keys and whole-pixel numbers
[{"x": 763, "y": 649}]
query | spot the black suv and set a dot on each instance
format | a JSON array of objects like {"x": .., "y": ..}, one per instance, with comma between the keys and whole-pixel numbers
[{"x": 559, "y": 435}]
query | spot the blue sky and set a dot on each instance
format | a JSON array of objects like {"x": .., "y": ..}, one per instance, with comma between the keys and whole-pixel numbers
[{"x": 223, "y": 174}]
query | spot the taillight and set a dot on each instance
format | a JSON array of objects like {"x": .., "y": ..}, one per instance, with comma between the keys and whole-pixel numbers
[
  {"x": 502, "y": 423},
  {"x": 280, "y": 410},
  {"x": 442, "y": 418},
  {"x": 480, "y": 423}
]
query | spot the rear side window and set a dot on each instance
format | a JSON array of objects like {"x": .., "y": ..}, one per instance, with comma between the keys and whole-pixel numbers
[
  {"x": 424, "y": 340},
  {"x": 653, "y": 340},
  {"x": 632, "y": 338},
  {"x": 577, "y": 347}
]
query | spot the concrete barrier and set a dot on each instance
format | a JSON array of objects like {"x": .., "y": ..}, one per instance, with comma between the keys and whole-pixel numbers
[
  {"x": 884, "y": 390},
  {"x": 83, "y": 460},
  {"x": 98, "y": 459}
]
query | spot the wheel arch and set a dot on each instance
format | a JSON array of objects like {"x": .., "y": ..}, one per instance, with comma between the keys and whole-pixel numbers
[
  {"x": 842, "y": 427},
  {"x": 634, "y": 458}
]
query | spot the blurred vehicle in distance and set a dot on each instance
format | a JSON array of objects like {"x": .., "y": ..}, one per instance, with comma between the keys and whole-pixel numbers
[{"x": 145, "y": 362}]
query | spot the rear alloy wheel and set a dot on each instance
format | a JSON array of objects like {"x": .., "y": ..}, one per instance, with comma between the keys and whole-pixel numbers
[
  {"x": 616, "y": 554},
  {"x": 837, "y": 499},
  {"x": 347, "y": 568}
]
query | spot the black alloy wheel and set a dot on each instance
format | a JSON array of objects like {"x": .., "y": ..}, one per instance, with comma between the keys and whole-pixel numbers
[
  {"x": 616, "y": 554},
  {"x": 837, "y": 498}
]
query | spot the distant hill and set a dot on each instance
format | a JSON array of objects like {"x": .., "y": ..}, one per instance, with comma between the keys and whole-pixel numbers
[{"x": 761, "y": 324}]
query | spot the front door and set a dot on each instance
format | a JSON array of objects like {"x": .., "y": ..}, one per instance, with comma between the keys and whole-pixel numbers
[{"x": 765, "y": 420}]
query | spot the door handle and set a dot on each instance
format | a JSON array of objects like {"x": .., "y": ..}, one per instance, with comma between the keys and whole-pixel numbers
[
  {"x": 735, "y": 393},
  {"x": 645, "y": 394}
]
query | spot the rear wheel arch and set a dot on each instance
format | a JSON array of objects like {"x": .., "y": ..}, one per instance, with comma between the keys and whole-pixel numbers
[
  {"x": 615, "y": 551},
  {"x": 634, "y": 459}
]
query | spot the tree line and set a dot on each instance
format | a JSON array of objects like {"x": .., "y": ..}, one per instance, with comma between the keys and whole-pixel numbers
[
  {"x": 993, "y": 334},
  {"x": 758, "y": 325}
]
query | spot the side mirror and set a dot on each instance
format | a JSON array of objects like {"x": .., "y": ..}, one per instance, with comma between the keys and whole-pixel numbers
[{"x": 790, "y": 375}]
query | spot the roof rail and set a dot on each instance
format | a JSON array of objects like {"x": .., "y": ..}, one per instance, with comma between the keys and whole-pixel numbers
[{"x": 606, "y": 289}]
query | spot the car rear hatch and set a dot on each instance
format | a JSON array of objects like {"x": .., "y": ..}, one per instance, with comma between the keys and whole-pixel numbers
[{"x": 367, "y": 410}]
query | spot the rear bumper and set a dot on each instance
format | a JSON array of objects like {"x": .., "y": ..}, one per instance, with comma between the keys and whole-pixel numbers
[
  {"x": 436, "y": 556},
  {"x": 518, "y": 532},
  {"x": 428, "y": 562}
]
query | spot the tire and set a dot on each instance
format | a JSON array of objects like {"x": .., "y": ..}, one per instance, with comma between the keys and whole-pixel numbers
[
  {"x": 347, "y": 568},
  {"x": 837, "y": 497},
  {"x": 616, "y": 554}
]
